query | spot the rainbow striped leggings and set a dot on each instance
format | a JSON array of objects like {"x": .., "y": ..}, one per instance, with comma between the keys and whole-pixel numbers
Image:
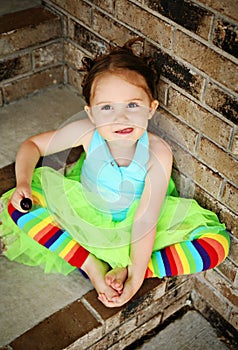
[{"x": 187, "y": 257}]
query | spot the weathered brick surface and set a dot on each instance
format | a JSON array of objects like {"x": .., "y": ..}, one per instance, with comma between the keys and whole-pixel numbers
[
  {"x": 86, "y": 39},
  {"x": 199, "y": 118},
  {"x": 48, "y": 55},
  {"x": 176, "y": 72},
  {"x": 75, "y": 79},
  {"x": 137, "y": 333},
  {"x": 107, "y": 5},
  {"x": 185, "y": 13},
  {"x": 13, "y": 67},
  {"x": 230, "y": 196},
  {"x": 234, "y": 250},
  {"x": 234, "y": 146},
  {"x": 230, "y": 271},
  {"x": 222, "y": 162},
  {"x": 226, "y": 37},
  {"x": 110, "y": 29},
  {"x": 225, "y": 215},
  {"x": 1, "y": 98},
  {"x": 175, "y": 129},
  {"x": 146, "y": 23},
  {"x": 226, "y": 7},
  {"x": 224, "y": 327},
  {"x": 200, "y": 56},
  {"x": 73, "y": 56},
  {"x": 222, "y": 102},
  {"x": 223, "y": 287},
  {"x": 33, "y": 83},
  {"x": 27, "y": 28},
  {"x": 213, "y": 297},
  {"x": 76, "y": 8}
]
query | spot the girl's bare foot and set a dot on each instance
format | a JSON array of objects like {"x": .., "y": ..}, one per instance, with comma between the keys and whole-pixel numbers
[
  {"x": 96, "y": 270},
  {"x": 116, "y": 277}
]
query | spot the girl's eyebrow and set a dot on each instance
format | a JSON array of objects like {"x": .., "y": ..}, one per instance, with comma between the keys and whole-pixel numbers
[{"x": 106, "y": 102}]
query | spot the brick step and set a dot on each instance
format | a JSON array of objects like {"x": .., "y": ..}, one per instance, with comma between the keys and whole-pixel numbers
[{"x": 31, "y": 52}]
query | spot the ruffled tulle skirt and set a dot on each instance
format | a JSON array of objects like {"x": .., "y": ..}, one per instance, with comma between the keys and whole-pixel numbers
[{"x": 87, "y": 219}]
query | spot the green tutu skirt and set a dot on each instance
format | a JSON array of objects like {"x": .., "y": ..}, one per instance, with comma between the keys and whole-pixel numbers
[{"x": 87, "y": 219}]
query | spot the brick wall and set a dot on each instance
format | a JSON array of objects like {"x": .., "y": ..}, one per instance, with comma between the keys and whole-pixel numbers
[
  {"x": 31, "y": 53},
  {"x": 195, "y": 43}
]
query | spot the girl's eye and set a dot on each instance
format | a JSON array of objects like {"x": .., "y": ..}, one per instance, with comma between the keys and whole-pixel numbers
[
  {"x": 106, "y": 108},
  {"x": 133, "y": 105}
]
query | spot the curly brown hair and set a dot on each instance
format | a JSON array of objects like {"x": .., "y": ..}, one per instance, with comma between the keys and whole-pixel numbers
[{"x": 121, "y": 61}]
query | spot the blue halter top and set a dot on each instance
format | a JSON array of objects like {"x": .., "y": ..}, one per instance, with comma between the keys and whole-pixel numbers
[{"x": 117, "y": 186}]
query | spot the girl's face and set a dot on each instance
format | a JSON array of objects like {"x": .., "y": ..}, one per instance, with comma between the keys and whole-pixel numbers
[{"x": 118, "y": 109}]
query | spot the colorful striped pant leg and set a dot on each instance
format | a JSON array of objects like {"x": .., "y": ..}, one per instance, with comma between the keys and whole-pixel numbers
[
  {"x": 40, "y": 226},
  {"x": 189, "y": 257}
]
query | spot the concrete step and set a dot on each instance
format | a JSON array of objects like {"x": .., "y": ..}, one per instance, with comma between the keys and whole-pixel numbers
[
  {"x": 31, "y": 49},
  {"x": 46, "y": 110},
  {"x": 13, "y": 6}
]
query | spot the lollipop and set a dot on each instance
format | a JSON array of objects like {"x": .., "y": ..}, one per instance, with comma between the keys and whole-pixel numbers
[{"x": 26, "y": 203}]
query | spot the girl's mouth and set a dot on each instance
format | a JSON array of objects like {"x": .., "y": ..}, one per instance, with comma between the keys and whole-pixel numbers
[{"x": 125, "y": 131}]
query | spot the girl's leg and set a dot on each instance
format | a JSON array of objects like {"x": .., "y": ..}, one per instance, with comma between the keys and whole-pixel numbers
[
  {"x": 40, "y": 226},
  {"x": 189, "y": 257}
]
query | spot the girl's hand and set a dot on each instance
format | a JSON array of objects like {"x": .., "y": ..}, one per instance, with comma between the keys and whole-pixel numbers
[{"x": 22, "y": 191}]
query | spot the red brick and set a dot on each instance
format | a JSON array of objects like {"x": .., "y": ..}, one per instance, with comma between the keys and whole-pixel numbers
[
  {"x": 33, "y": 83},
  {"x": 27, "y": 28},
  {"x": 149, "y": 25},
  {"x": 204, "y": 58},
  {"x": 48, "y": 55},
  {"x": 199, "y": 118}
]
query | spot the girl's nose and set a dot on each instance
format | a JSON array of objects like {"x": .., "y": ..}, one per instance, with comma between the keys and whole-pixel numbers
[{"x": 120, "y": 114}]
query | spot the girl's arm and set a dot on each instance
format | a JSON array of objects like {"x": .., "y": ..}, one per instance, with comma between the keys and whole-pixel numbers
[
  {"x": 146, "y": 217},
  {"x": 72, "y": 135}
]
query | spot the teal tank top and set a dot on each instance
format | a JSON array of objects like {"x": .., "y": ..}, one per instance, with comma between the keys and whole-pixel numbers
[{"x": 117, "y": 187}]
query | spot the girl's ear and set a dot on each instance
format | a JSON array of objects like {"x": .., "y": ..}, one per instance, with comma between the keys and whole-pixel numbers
[
  {"x": 153, "y": 106},
  {"x": 88, "y": 111}
]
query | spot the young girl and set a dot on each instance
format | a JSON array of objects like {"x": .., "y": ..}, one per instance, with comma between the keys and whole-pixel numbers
[{"x": 116, "y": 215}]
